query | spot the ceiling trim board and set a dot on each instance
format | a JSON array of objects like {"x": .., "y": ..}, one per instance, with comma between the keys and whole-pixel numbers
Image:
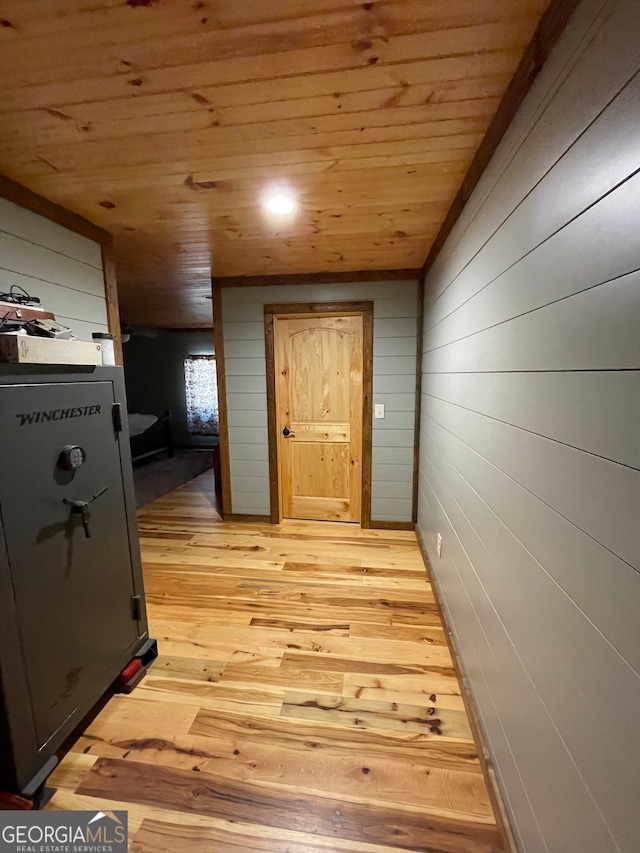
[
  {"x": 13, "y": 191},
  {"x": 316, "y": 278}
]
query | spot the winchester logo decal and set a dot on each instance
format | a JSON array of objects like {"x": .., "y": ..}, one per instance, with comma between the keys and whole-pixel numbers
[
  {"x": 63, "y": 832},
  {"x": 57, "y": 415}
]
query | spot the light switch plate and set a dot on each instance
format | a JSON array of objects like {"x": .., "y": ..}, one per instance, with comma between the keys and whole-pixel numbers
[{"x": 379, "y": 410}]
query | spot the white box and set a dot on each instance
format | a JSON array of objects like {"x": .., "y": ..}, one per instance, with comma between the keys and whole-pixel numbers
[{"x": 27, "y": 349}]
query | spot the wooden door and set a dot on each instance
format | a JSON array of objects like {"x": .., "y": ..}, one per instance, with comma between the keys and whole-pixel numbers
[{"x": 319, "y": 399}]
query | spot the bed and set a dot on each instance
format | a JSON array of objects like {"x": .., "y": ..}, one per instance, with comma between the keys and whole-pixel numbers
[{"x": 150, "y": 436}]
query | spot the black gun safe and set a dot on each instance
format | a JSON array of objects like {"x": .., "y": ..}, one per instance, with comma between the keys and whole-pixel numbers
[{"x": 72, "y": 612}]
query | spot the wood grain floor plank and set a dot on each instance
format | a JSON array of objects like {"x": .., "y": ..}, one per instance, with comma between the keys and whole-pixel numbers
[
  {"x": 167, "y": 537},
  {"x": 207, "y": 695},
  {"x": 446, "y": 789},
  {"x": 248, "y": 802},
  {"x": 324, "y": 738},
  {"x": 431, "y": 634},
  {"x": 241, "y": 611},
  {"x": 291, "y": 625},
  {"x": 366, "y": 610},
  {"x": 412, "y": 690},
  {"x": 182, "y": 647},
  {"x": 179, "y": 836},
  {"x": 373, "y": 649},
  {"x": 246, "y": 674},
  {"x": 271, "y": 749},
  {"x": 193, "y": 669},
  {"x": 328, "y": 663},
  {"x": 377, "y": 714},
  {"x": 324, "y": 569}
]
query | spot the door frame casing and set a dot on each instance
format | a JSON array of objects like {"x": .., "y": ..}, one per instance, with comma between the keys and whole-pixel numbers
[{"x": 326, "y": 309}]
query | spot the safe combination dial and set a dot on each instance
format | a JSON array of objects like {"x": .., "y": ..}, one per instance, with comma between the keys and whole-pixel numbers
[{"x": 72, "y": 457}]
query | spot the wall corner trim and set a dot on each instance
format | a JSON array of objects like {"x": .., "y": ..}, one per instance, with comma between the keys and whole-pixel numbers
[
  {"x": 479, "y": 738},
  {"x": 225, "y": 460},
  {"x": 111, "y": 295},
  {"x": 418, "y": 409},
  {"x": 24, "y": 197}
]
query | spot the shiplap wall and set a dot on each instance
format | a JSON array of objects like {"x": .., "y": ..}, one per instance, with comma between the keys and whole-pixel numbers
[
  {"x": 530, "y": 443},
  {"x": 394, "y": 379},
  {"x": 61, "y": 267}
]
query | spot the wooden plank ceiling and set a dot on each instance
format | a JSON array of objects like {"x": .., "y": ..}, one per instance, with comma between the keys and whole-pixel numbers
[{"x": 164, "y": 121}]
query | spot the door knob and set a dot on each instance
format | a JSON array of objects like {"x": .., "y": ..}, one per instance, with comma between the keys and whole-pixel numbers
[{"x": 287, "y": 433}]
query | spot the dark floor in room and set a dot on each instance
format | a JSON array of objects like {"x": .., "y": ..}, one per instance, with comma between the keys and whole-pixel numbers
[{"x": 160, "y": 475}]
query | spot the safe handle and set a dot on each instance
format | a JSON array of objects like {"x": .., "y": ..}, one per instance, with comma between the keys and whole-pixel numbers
[{"x": 82, "y": 507}]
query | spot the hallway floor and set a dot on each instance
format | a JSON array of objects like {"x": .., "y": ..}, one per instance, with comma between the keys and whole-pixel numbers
[{"x": 304, "y": 700}]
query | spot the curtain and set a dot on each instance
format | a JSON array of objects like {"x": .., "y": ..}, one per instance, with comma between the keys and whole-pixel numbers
[{"x": 201, "y": 385}]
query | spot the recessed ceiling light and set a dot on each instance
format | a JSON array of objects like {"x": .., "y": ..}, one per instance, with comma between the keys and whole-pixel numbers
[{"x": 280, "y": 202}]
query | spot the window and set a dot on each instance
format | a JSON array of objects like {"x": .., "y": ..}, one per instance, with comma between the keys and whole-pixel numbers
[{"x": 201, "y": 386}]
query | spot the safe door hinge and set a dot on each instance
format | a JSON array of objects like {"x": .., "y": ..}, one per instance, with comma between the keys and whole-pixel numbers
[
  {"x": 116, "y": 415},
  {"x": 136, "y": 606}
]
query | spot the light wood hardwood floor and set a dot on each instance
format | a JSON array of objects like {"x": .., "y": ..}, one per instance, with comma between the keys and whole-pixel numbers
[{"x": 304, "y": 700}]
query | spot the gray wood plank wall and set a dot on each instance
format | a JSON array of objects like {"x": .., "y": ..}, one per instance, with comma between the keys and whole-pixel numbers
[
  {"x": 60, "y": 267},
  {"x": 530, "y": 443},
  {"x": 394, "y": 378}
]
